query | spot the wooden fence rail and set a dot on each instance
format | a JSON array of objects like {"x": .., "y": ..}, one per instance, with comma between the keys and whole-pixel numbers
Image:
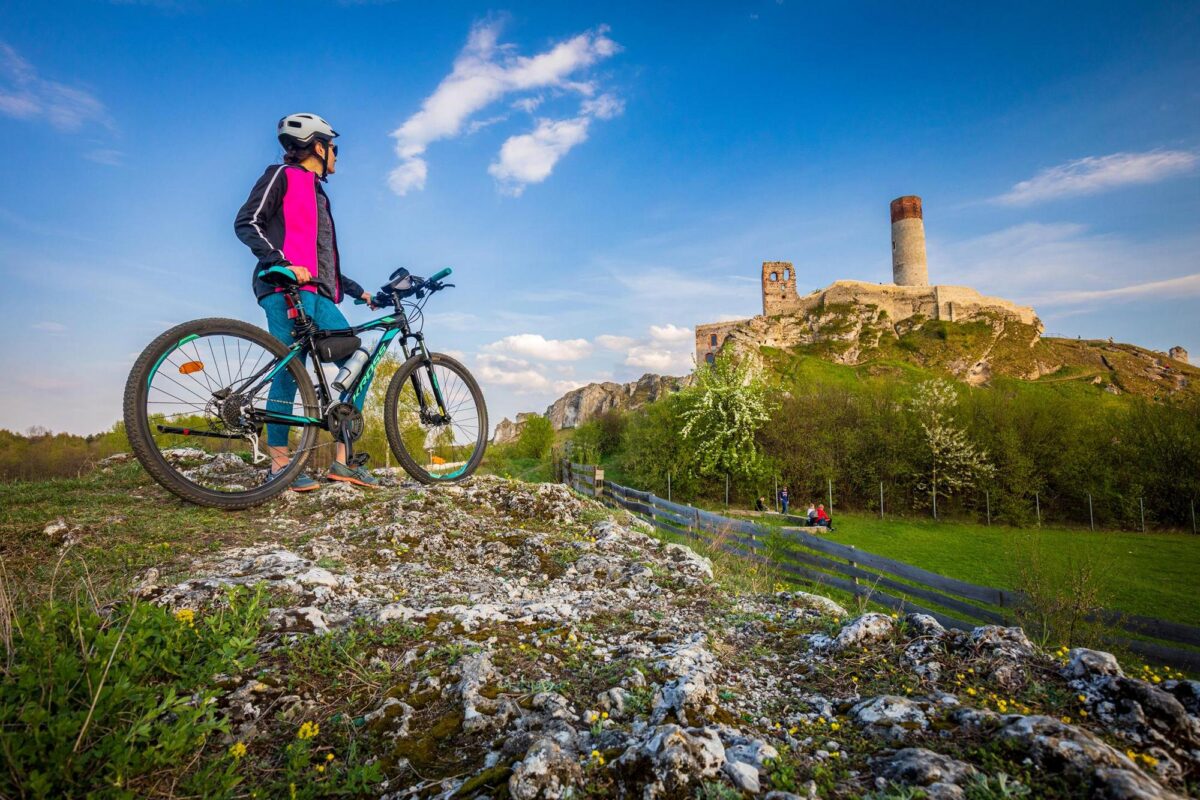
[{"x": 894, "y": 584}]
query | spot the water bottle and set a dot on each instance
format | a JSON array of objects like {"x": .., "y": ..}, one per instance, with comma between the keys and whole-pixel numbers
[{"x": 350, "y": 370}]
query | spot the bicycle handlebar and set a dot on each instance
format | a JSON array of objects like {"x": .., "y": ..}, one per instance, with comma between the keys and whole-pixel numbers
[{"x": 420, "y": 286}]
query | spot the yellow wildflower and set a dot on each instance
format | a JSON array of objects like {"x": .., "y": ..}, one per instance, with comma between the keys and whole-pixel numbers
[
  {"x": 237, "y": 750},
  {"x": 1156, "y": 679},
  {"x": 1066, "y": 720},
  {"x": 604, "y": 715},
  {"x": 833, "y": 726},
  {"x": 792, "y": 730},
  {"x": 186, "y": 617},
  {"x": 308, "y": 730},
  {"x": 1131, "y": 755},
  {"x": 1082, "y": 713},
  {"x": 1151, "y": 761},
  {"x": 820, "y": 720},
  {"x": 320, "y": 768},
  {"x": 971, "y": 691},
  {"x": 1081, "y": 698},
  {"x": 329, "y": 756}
]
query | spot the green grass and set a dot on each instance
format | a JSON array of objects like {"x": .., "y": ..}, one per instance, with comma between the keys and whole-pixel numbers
[{"x": 1152, "y": 574}]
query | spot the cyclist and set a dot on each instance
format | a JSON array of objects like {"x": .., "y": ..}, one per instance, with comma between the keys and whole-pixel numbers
[{"x": 286, "y": 222}]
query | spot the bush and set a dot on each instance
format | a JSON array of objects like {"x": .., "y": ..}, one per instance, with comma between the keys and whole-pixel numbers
[{"x": 537, "y": 435}]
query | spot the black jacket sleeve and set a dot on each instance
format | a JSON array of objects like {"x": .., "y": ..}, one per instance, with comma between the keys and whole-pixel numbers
[
  {"x": 262, "y": 205},
  {"x": 350, "y": 288}
]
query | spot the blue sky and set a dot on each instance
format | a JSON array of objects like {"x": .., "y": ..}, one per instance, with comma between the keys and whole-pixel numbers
[{"x": 602, "y": 177}]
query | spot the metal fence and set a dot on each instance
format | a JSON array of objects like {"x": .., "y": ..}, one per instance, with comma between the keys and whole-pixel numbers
[{"x": 893, "y": 584}]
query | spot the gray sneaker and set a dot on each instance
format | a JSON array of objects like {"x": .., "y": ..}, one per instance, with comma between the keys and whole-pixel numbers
[
  {"x": 302, "y": 483},
  {"x": 358, "y": 475}
]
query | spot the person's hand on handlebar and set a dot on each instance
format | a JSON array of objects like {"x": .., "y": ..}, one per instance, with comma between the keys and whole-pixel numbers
[
  {"x": 369, "y": 299},
  {"x": 302, "y": 274}
]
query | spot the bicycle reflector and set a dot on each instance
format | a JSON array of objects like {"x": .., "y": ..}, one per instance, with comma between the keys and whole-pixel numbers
[{"x": 191, "y": 366}]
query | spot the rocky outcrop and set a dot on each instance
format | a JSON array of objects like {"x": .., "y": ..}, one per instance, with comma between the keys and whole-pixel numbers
[
  {"x": 528, "y": 641},
  {"x": 588, "y": 402},
  {"x": 509, "y": 431}
]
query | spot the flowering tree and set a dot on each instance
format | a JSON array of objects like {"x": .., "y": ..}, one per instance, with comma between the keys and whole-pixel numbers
[
  {"x": 721, "y": 413},
  {"x": 953, "y": 462}
]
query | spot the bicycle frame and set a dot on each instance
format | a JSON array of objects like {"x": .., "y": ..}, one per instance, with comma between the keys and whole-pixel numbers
[{"x": 394, "y": 326}]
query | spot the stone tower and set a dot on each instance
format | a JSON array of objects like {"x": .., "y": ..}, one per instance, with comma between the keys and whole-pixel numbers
[
  {"x": 778, "y": 287},
  {"x": 909, "y": 267}
]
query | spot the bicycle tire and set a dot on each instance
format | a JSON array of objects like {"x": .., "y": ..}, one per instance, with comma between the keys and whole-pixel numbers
[
  {"x": 390, "y": 417},
  {"x": 137, "y": 420}
]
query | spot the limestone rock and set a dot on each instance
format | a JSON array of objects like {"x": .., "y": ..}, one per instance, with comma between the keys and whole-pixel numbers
[
  {"x": 547, "y": 771},
  {"x": 588, "y": 402},
  {"x": 864, "y": 630},
  {"x": 510, "y": 431},
  {"x": 889, "y": 716},
  {"x": 671, "y": 759},
  {"x": 916, "y": 766}
]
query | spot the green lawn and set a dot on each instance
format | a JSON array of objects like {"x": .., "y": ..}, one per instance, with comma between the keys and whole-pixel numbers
[{"x": 1154, "y": 574}]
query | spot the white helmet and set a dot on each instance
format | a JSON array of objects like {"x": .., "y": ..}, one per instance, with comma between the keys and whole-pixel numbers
[{"x": 299, "y": 130}]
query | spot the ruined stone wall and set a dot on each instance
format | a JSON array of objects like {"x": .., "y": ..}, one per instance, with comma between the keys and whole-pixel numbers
[
  {"x": 1178, "y": 353},
  {"x": 778, "y": 288},
  {"x": 709, "y": 338}
]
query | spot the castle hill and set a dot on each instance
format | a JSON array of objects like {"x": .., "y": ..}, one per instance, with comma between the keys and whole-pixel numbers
[{"x": 659, "y": 402}]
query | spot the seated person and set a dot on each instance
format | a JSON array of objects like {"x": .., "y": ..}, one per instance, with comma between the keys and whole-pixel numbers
[
  {"x": 811, "y": 514},
  {"x": 823, "y": 519},
  {"x": 760, "y": 504}
]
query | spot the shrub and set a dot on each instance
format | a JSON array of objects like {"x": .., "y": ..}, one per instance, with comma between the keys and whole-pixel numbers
[{"x": 537, "y": 435}]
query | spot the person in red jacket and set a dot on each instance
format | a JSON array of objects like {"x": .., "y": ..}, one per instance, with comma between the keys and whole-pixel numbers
[{"x": 823, "y": 519}]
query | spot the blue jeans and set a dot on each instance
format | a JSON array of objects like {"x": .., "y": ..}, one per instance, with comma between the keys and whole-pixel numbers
[{"x": 282, "y": 396}]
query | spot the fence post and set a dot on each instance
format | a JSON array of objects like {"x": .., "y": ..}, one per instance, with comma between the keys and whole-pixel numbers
[
  {"x": 1193, "y": 516},
  {"x": 696, "y": 517},
  {"x": 776, "y": 479},
  {"x": 1037, "y": 503},
  {"x": 1142, "y": 507},
  {"x": 668, "y": 486},
  {"x": 881, "y": 499},
  {"x": 935, "y": 499},
  {"x": 1091, "y": 516},
  {"x": 726, "y": 491},
  {"x": 987, "y": 496},
  {"x": 853, "y": 563},
  {"x": 598, "y": 485},
  {"x": 831, "y": 497}
]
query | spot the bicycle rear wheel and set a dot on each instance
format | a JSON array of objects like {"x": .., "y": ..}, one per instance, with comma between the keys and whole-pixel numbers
[
  {"x": 432, "y": 446},
  {"x": 186, "y": 422}
]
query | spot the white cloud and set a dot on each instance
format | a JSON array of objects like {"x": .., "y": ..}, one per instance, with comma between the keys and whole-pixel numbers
[
  {"x": 535, "y": 345},
  {"x": 24, "y": 95},
  {"x": 528, "y": 104},
  {"x": 1065, "y": 263},
  {"x": 50, "y": 327},
  {"x": 483, "y": 73},
  {"x": 1098, "y": 174},
  {"x": 610, "y": 342},
  {"x": 659, "y": 359},
  {"x": 109, "y": 158},
  {"x": 530, "y": 157},
  {"x": 671, "y": 333},
  {"x": 1184, "y": 286}
]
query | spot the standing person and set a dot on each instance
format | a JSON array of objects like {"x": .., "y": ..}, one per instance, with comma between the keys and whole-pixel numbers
[
  {"x": 286, "y": 222},
  {"x": 784, "y": 499}
]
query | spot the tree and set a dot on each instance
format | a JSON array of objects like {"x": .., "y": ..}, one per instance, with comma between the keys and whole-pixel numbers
[
  {"x": 721, "y": 413},
  {"x": 537, "y": 434},
  {"x": 952, "y": 461}
]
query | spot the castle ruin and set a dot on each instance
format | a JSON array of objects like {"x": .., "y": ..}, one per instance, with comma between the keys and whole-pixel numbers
[{"x": 910, "y": 295}]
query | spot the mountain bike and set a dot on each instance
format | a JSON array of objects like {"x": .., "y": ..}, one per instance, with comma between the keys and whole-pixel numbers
[{"x": 199, "y": 396}]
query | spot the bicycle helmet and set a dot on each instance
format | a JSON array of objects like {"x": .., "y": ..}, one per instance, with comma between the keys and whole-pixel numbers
[{"x": 301, "y": 130}]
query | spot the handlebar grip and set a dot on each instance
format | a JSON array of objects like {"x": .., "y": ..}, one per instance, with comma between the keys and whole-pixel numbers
[
  {"x": 360, "y": 302},
  {"x": 439, "y": 276}
]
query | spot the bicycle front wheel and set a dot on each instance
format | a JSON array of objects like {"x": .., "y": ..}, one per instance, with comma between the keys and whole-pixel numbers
[
  {"x": 436, "y": 442},
  {"x": 190, "y": 405}
]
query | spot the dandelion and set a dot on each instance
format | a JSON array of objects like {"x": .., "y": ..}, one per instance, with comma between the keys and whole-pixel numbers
[
  {"x": 604, "y": 715},
  {"x": 1066, "y": 720},
  {"x": 186, "y": 616},
  {"x": 820, "y": 720},
  {"x": 833, "y": 726},
  {"x": 308, "y": 730},
  {"x": 895, "y": 615},
  {"x": 329, "y": 756},
  {"x": 971, "y": 691},
  {"x": 1156, "y": 679},
  {"x": 1081, "y": 698},
  {"x": 237, "y": 750},
  {"x": 320, "y": 768}
]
